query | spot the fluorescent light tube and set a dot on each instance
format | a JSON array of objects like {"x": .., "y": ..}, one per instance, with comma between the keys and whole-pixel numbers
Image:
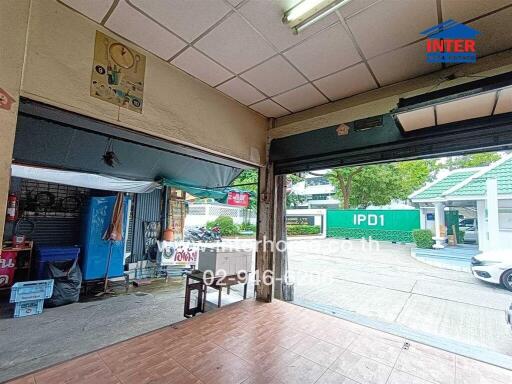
[{"x": 308, "y": 12}]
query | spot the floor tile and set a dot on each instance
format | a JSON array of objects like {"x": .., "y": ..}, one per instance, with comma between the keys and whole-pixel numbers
[
  {"x": 431, "y": 365},
  {"x": 398, "y": 377},
  {"x": 83, "y": 370},
  {"x": 377, "y": 348},
  {"x": 361, "y": 369},
  {"x": 332, "y": 377},
  {"x": 300, "y": 371},
  {"x": 278, "y": 343},
  {"x": 319, "y": 351},
  {"x": 158, "y": 368}
]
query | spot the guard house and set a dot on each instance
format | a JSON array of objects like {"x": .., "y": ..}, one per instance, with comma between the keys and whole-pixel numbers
[{"x": 485, "y": 191}]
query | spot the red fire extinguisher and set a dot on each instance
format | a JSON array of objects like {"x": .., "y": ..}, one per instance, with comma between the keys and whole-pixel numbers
[{"x": 11, "y": 207}]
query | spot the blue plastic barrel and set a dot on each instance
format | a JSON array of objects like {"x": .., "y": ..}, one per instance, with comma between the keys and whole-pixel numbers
[{"x": 49, "y": 253}]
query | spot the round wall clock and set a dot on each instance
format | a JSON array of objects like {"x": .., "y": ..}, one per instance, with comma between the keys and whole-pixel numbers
[{"x": 121, "y": 55}]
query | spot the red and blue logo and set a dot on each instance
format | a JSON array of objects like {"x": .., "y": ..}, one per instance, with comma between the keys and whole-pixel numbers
[{"x": 451, "y": 42}]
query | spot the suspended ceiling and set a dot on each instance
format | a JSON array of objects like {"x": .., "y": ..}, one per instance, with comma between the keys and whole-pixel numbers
[{"x": 242, "y": 48}]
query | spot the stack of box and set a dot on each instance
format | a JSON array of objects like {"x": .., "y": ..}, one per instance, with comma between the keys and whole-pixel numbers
[{"x": 29, "y": 296}]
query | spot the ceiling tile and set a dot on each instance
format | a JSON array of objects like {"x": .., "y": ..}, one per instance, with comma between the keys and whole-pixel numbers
[
  {"x": 235, "y": 45},
  {"x": 195, "y": 63},
  {"x": 274, "y": 76},
  {"x": 266, "y": 16},
  {"x": 188, "y": 19},
  {"x": 389, "y": 24},
  {"x": 95, "y": 10},
  {"x": 241, "y": 91},
  {"x": 402, "y": 64},
  {"x": 269, "y": 108},
  {"x": 355, "y": 6},
  {"x": 495, "y": 32},
  {"x": 324, "y": 53},
  {"x": 348, "y": 82},
  {"x": 298, "y": 99},
  {"x": 464, "y": 10},
  {"x": 139, "y": 29}
]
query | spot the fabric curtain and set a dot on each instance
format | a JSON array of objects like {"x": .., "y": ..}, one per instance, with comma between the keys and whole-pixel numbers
[
  {"x": 85, "y": 180},
  {"x": 218, "y": 194}
]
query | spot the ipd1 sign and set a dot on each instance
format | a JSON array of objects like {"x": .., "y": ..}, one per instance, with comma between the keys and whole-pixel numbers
[
  {"x": 238, "y": 199},
  {"x": 368, "y": 219}
]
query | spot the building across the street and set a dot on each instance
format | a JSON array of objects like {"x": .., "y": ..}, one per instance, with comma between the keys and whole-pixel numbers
[
  {"x": 315, "y": 191},
  {"x": 484, "y": 194}
]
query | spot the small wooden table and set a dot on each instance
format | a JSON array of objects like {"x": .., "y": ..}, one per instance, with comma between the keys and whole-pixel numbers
[{"x": 201, "y": 284}]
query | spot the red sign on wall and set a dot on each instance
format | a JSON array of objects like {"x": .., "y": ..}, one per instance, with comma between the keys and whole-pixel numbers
[{"x": 238, "y": 199}]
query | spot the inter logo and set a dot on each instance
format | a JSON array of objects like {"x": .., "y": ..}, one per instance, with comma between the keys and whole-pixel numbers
[{"x": 451, "y": 42}]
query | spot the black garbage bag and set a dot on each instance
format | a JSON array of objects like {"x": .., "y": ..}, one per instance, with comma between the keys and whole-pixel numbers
[{"x": 67, "y": 280}]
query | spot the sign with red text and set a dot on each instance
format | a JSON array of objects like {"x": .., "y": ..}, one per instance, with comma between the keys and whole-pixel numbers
[
  {"x": 238, "y": 199},
  {"x": 173, "y": 254}
]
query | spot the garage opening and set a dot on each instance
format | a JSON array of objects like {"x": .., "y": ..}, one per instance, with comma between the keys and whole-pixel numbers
[
  {"x": 115, "y": 220},
  {"x": 400, "y": 221}
]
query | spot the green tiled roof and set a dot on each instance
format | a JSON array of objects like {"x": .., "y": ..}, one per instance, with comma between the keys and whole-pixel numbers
[
  {"x": 441, "y": 186},
  {"x": 477, "y": 186}
]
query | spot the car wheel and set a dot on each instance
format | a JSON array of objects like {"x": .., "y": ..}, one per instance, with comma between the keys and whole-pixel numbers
[{"x": 506, "y": 279}]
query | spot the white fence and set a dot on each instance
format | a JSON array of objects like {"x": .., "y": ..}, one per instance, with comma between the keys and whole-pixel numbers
[{"x": 200, "y": 214}]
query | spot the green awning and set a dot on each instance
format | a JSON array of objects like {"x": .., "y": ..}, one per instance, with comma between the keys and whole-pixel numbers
[{"x": 218, "y": 194}]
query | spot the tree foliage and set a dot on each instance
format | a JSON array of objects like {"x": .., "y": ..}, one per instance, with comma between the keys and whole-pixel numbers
[
  {"x": 359, "y": 187},
  {"x": 472, "y": 160},
  {"x": 247, "y": 180}
]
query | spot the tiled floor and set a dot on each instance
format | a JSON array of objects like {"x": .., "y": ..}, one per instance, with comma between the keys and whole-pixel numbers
[{"x": 278, "y": 343}]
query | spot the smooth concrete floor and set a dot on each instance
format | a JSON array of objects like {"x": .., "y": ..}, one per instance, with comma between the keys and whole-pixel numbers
[
  {"x": 389, "y": 285},
  {"x": 276, "y": 343}
]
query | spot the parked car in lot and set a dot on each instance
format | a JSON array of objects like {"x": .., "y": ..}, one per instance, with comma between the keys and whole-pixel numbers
[
  {"x": 494, "y": 267},
  {"x": 466, "y": 223},
  {"x": 470, "y": 235},
  {"x": 469, "y": 226}
]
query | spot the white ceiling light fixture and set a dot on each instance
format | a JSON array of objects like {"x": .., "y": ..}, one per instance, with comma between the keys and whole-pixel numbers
[
  {"x": 307, "y": 12},
  {"x": 477, "y": 99}
]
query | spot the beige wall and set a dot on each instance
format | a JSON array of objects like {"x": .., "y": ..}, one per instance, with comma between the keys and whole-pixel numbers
[
  {"x": 13, "y": 25},
  {"x": 46, "y": 54},
  {"x": 176, "y": 106}
]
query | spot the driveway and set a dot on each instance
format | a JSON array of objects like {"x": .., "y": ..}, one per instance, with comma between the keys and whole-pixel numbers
[{"x": 388, "y": 285}]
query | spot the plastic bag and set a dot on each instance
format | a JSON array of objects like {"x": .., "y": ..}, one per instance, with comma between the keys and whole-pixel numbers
[{"x": 67, "y": 280}]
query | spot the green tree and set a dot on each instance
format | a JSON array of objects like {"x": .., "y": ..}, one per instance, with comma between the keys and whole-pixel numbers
[
  {"x": 472, "y": 160},
  {"x": 415, "y": 173},
  {"x": 247, "y": 180},
  {"x": 361, "y": 186},
  {"x": 292, "y": 199}
]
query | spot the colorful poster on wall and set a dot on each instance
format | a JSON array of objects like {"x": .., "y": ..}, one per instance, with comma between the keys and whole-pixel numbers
[{"x": 117, "y": 73}]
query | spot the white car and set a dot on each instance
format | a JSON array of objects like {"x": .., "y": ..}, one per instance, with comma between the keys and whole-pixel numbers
[{"x": 494, "y": 267}]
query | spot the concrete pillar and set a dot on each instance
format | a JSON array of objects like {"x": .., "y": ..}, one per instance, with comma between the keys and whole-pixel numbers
[
  {"x": 493, "y": 226},
  {"x": 423, "y": 218},
  {"x": 265, "y": 235},
  {"x": 13, "y": 29},
  {"x": 440, "y": 236},
  {"x": 481, "y": 221}
]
